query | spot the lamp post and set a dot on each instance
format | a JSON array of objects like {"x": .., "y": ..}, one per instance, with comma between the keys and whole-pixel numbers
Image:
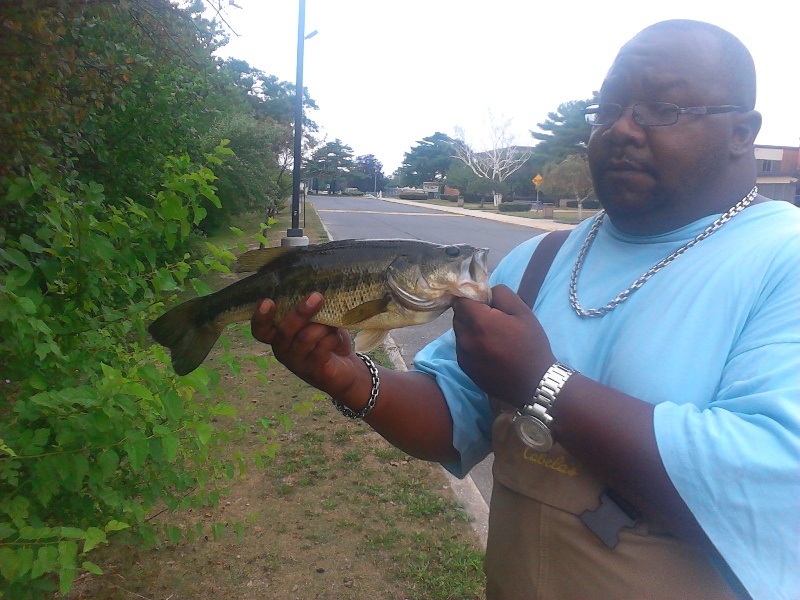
[{"x": 294, "y": 235}]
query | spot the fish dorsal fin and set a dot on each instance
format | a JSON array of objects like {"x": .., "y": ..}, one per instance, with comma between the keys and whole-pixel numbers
[
  {"x": 369, "y": 338},
  {"x": 365, "y": 311},
  {"x": 253, "y": 260}
]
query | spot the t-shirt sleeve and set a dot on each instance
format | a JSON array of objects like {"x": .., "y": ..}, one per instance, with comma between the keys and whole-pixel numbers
[{"x": 736, "y": 463}]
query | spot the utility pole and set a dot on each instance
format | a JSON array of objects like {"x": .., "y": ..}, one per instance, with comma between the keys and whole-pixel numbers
[{"x": 294, "y": 236}]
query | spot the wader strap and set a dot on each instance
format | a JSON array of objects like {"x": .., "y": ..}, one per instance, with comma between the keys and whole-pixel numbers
[
  {"x": 539, "y": 265},
  {"x": 614, "y": 513}
]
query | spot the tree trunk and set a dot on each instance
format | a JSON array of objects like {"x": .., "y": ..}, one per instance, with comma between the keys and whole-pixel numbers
[{"x": 498, "y": 199}]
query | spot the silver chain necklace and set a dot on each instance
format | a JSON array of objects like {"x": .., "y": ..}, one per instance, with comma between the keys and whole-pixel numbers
[{"x": 624, "y": 295}]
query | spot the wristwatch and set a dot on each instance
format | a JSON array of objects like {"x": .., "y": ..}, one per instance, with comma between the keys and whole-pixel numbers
[{"x": 533, "y": 420}]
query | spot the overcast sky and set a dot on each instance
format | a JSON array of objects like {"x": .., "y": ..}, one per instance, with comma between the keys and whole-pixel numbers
[{"x": 386, "y": 73}]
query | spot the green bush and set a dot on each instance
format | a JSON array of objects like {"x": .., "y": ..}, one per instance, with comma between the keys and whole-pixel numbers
[
  {"x": 96, "y": 431},
  {"x": 414, "y": 196},
  {"x": 450, "y": 197},
  {"x": 514, "y": 207},
  {"x": 589, "y": 204}
]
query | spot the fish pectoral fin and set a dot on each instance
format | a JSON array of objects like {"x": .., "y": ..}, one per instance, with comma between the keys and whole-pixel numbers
[
  {"x": 367, "y": 339},
  {"x": 253, "y": 260},
  {"x": 365, "y": 311}
]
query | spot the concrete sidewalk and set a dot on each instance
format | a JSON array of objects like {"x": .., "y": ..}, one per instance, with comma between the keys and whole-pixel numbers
[{"x": 544, "y": 224}]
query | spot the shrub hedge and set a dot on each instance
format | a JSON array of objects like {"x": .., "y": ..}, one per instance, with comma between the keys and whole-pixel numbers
[
  {"x": 514, "y": 207},
  {"x": 590, "y": 204}
]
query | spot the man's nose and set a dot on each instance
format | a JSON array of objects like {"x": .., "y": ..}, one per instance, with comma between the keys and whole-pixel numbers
[{"x": 626, "y": 126}]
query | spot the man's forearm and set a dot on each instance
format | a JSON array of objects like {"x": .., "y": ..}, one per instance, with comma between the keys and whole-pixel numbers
[
  {"x": 410, "y": 412},
  {"x": 613, "y": 435}
]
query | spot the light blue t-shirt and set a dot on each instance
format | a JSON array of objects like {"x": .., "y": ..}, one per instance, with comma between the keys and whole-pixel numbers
[{"x": 713, "y": 340}]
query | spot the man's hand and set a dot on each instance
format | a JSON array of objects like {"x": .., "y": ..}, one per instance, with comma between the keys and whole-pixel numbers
[
  {"x": 411, "y": 411},
  {"x": 502, "y": 348},
  {"x": 319, "y": 354}
]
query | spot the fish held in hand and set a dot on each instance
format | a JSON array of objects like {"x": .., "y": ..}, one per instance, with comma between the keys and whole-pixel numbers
[{"x": 371, "y": 286}]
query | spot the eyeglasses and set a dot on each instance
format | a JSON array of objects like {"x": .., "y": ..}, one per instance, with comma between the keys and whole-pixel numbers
[{"x": 649, "y": 114}]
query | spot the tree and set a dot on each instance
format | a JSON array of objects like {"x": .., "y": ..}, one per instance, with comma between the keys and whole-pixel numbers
[
  {"x": 460, "y": 176},
  {"x": 269, "y": 97},
  {"x": 566, "y": 133},
  {"x": 272, "y": 103},
  {"x": 368, "y": 176},
  {"x": 502, "y": 159},
  {"x": 485, "y": 188},
  {"x": 331, "y": 165},
  {"x": 520, "y": 182},
  {"x": 254, "y": 177},
  {"x": 570, "y": 177},
  {"x": 429, "y": 160},
  {"x": 111, "y": 115}
]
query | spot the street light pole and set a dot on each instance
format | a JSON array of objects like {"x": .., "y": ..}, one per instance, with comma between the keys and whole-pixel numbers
[{"x": 294, "y": 236}]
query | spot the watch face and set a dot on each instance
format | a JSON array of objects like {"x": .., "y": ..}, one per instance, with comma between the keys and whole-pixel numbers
[{"x": 533, "y": 433}]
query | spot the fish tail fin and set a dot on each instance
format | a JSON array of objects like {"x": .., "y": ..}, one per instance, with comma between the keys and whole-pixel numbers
[{"x": 188, "y": 336}]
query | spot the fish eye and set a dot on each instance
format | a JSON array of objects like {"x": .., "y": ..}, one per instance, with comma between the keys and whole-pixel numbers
[{"x": 452, "y": 251}]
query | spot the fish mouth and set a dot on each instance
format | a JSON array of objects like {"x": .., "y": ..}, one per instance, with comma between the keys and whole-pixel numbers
[
  {"x": 473, "y": 281},
  {"x": 470, "y": 281}
]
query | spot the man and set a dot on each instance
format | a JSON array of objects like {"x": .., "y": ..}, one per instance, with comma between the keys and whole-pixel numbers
[{"x": 662, "y": 355}]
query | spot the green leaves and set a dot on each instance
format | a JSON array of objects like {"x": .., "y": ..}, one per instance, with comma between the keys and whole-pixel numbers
[
  {"x": 106, "y": 186},
  {"x": 96, "y": 428}
]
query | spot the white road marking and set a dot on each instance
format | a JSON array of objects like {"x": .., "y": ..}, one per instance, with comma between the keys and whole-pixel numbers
[{"x": 381, "y": 212}]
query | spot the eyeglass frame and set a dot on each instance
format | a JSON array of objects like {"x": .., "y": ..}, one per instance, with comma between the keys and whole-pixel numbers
[{"x": 593, "y": 109}]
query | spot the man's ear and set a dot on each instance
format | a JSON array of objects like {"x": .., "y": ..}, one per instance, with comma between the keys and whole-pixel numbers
[{"x": 746, "y": 126}]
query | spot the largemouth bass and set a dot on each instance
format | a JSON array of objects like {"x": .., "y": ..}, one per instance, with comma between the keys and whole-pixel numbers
[{"x": 369, "y": 285}]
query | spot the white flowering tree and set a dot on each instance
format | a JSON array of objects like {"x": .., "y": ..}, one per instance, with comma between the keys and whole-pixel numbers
[{"x": 501, "y": 159}]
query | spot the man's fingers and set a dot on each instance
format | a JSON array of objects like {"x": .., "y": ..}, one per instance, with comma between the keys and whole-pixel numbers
[
  {"x": 261, "y": 324},
  {"x": 266, "y": 330},
  {"x": 505, "y": 299},
  {"x": 302, "y": 313}
]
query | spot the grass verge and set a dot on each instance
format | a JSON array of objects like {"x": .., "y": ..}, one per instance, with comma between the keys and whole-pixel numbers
[{"x": 321, "y": 507}]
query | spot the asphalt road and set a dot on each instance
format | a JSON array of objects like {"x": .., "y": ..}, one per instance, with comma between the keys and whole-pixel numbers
[{"x": 365, "y": 218}]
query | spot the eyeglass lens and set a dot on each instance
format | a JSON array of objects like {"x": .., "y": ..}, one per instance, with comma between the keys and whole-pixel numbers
[{"x": 644, "y": 113}]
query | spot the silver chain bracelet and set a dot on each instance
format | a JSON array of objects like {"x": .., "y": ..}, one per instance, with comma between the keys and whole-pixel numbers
[{"x": 373, "y": 395}]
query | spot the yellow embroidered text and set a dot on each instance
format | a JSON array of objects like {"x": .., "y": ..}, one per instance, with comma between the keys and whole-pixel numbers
[{"x": 556, "y": 464}]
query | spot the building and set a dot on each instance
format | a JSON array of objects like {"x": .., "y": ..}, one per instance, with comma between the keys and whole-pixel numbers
[{"x": 778, "y": 172}]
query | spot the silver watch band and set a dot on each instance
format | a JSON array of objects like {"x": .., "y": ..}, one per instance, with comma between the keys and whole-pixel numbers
[
  {"x": 553, "y": 380},
  {"x": 533, "y": 421}
]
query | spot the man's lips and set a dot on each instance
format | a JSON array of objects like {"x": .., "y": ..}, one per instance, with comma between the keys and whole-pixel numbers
[
  {"x": 625, "y": 169},
  {"x": 625, "y": 165}
]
